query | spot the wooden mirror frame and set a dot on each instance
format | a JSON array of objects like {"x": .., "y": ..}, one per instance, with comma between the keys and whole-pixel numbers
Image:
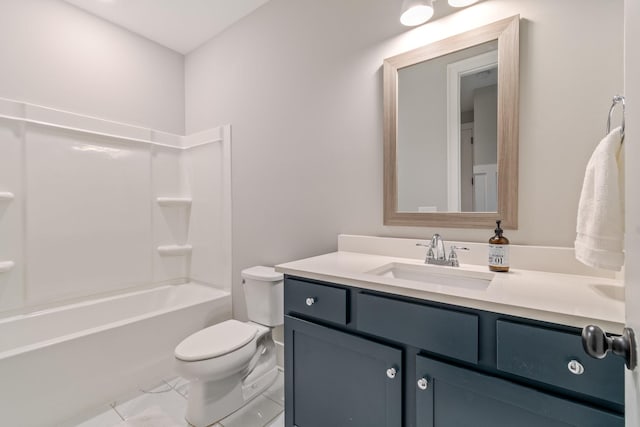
[{"x": 506, "y": 32}]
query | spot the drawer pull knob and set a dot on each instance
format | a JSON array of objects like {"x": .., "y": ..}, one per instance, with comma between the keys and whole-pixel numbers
[
  {"x": 575, "y": 367},
  {"x": 391, "y": 373},
  {"x": 423, "y": 384},
  {"x": 311, "y": 301}
]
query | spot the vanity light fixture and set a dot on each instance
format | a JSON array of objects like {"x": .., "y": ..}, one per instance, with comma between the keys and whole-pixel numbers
[
  {"x": 416, "y": 12},
  {"x": 461, "y": 3}
]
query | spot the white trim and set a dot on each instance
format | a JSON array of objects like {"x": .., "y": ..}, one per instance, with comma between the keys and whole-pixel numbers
[
  {"x": 455, "y": 71},
  {"x": 174, "y": 250},
  {"x": 174, "y": 201},
  {"x": 632, "y": 198},
  {"x": 74, "y": 129},
  {"x": 196, "y": 139},
  {"x": 43, "y": 116}
]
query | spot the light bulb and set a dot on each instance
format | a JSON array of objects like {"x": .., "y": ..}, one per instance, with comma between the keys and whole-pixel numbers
[
  {"x": 461, "y": 3},
  {"x": 416, "y": 15}
]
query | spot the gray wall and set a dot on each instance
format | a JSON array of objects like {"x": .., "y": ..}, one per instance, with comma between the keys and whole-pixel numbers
[
  {"x": 485, "y": 125},
  {"x": 301, "y": 83},
  {"x": 58, "y": 56}
]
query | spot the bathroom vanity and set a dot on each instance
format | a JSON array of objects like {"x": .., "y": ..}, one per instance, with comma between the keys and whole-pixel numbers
[{"x": 366, "y": 349}]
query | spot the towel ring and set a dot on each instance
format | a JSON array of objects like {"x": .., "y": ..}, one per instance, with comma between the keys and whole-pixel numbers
[{"x": 618, "y": 99}]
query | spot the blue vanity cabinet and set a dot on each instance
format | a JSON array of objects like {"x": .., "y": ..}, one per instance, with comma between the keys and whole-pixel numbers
[
  {"x": 360, "y": 358},
  {"x": 448, "y": 395},
  {"x": 338, "y": 379}
]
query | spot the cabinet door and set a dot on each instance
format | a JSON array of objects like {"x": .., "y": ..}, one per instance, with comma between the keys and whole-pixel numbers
[
  {"x": 457, "y": 397},
  {"x": 337, "y": 379}
]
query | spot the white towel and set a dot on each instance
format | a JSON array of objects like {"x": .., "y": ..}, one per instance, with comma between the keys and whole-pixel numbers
[
  {"x": 600, "y": 229},
  {"x": 150, "y": 417}
]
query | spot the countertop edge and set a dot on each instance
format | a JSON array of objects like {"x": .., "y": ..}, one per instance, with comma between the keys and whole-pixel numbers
[{"x": 496, "y": 307}]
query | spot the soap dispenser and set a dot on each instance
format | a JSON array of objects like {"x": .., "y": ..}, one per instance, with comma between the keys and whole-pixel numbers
[{"x": 499, "y": 251}]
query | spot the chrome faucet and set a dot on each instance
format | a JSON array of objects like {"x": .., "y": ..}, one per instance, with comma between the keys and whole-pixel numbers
[
  {"x": 439, "y": 257},
  {"x": 438, "y": 244}
]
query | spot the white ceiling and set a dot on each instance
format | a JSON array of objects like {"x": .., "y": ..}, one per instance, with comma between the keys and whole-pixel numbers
[{"x": 181, "y": 25}]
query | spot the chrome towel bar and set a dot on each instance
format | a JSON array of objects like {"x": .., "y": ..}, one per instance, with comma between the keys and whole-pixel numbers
[{"x": 618, "y": 99}]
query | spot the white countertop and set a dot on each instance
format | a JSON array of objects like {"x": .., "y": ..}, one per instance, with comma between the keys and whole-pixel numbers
[{"x": 566, "y": 299}]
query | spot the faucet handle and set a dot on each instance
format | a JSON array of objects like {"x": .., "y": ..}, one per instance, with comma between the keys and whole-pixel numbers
[
  {"x": 429, "y": 247},
  {"x": 453, "y": 256},
  {"x": 452, "y": 252}
]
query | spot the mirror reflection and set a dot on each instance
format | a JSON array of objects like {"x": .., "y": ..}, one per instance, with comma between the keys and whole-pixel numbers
[{"x": 447, "y": 132}]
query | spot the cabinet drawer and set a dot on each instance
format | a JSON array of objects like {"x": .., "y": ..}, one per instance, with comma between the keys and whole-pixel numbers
[
  {"x": 544, "y": 355},
  {"x": 319, "y": 301},
  {"x": 447, "y": 332}
]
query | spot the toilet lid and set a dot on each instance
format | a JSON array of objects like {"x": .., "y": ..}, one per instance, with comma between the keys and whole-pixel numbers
[{"x": 216, "y": 340}]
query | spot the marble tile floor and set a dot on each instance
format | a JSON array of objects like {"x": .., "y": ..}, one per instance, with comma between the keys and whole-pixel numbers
[{"x": 171, "y": 397}]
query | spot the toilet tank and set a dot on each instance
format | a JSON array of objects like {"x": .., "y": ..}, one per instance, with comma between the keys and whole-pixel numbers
[{"x": 264, "y": 293}]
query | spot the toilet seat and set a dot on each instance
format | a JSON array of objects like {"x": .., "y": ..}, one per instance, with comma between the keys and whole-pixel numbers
[{"x": 216, "y": 341}]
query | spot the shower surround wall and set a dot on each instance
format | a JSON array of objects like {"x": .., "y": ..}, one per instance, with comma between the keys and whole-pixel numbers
[{"x": 91, "y": 207}]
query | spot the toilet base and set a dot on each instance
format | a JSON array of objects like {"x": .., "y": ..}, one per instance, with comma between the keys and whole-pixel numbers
[{"x": 209, "y": 402}]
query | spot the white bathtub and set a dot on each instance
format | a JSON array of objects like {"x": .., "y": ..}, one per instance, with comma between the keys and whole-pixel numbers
[{"x": 57, "y": 363}]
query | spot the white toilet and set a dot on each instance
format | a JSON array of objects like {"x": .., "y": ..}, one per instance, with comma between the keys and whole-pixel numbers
[{"x": 232, "y": 362}]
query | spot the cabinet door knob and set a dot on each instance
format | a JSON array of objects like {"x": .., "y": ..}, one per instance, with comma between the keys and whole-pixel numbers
[
  {"x": 575, "y": 367},
  {"x": 597, "y": 344},
  {"x": 423, "y": 384},
  {"x": 391, "y": 373},
  {"x": 310, "y": 301}
]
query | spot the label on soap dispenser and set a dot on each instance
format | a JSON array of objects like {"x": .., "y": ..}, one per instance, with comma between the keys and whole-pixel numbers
[{"x": 499, "y": 255}]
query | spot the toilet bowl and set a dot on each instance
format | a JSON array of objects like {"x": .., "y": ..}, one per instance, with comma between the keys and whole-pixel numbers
[{"x": 230, "y": 363}]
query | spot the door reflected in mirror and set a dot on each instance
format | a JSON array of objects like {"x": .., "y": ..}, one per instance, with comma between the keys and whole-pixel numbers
[
  {"x": 478, "y": 142},
  {"x": 447, "y": 132}
]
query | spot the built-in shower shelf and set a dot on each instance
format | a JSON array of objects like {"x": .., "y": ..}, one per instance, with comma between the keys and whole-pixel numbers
[
  {"x": 5, "y": 196},
  {"x": 6, "y": 266},
  {"x": 174, "y": 250},
  {"x": 174, "y": 201}
]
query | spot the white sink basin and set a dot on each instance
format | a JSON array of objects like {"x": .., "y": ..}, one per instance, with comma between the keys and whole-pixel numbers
[{"x": 436, "y": 275}]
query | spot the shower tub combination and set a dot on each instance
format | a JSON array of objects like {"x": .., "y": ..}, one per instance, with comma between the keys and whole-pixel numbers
[{"x": 59, "y": 362}]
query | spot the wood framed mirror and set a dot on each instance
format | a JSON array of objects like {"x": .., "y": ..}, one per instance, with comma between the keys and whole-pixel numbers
[{"x": 451, "y": 131}]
